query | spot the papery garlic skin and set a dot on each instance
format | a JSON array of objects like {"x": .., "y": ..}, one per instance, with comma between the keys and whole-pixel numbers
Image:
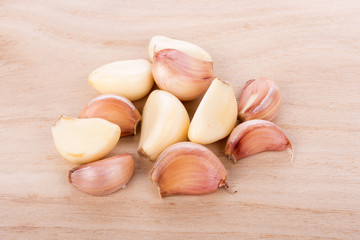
[
  {"x": 259, "y": 99},
  {"x": 115, "y": 109},
  {"x": 182, "y": 75},
  {"x": 188, "y": 168},
  {"x": 103, "y": 177},
  {"x": 216, "y": 114},
  {"x": 84, "y": 140},
  {"x": 130, "y": 78},
  {"x": 255, "y": 136},
  {"x": 165, "y": 122},
  {"x": 158, "y": 43}
]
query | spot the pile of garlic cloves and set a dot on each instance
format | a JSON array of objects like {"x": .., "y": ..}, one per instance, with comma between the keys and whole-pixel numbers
[{"x": 183, "y": 72}]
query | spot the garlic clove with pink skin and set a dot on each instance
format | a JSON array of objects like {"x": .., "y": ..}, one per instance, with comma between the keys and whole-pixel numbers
[
  {"x": 184, "y": 76},
  {"x": 103, "y": 177},
  {"x": 259, "y": 99},
  {"x": 255, "y": 136},
  {"x": 188, "y": 168},
  {"x": 115, "y": 109}
]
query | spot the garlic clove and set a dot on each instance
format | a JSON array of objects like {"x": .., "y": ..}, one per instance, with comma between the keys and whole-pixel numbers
[
  {"x": 188, "y": 168},
  {"x": 165, "y": 122},
  {"x": 158, "y": 43},
  {"x": 131, "y": 78},
  {"x": 259, "y": 99},
  {"x": 216, "y": 114},
  {"x": 255, "y": 136},
  {"x": 103, "y": 177},
  {"x": 115, "y": 109},
  {"x": 84, "y": 140},
  {"x": 182, "y": 75}
]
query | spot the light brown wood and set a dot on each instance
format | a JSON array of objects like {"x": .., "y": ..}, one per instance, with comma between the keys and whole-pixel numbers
[{"x": 311, "y": 48}]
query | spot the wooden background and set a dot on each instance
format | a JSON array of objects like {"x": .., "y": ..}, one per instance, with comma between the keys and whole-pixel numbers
[{"x": 311, "y": 48}]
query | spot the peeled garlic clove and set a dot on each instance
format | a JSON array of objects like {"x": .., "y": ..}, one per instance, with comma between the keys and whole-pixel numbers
[
  {"x": 115, "y": 109},
  {"x": 165, "y": 122},
  {"x": 259, "y": 99},
  {"x": 158, "y": 43},
  {"x": 180, "y": 74},
  {"x": 216, "y": 114},
  {"x": 131, "y": 79},
  {"x": 103, "y": 177},
  {"x": 255, "y": 136},
  {"x": 84, "y": 140},
  {"x": 187, "y": 168}
]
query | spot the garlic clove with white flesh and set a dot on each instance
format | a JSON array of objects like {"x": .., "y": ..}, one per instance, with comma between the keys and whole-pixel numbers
[
  {"x": 103, "y": 177},
  {"x": 216, "y": 114},
  {"x": 188, "y": 168},
  {"x": 116, "y": 109},
  {"x": 182, "y": 75},
  {"x": 259, "y": 99},
  {"x": 84, "y": 140},
  {"x": 158, "y": 43},
  {"x": 255, "y": 136},
  {"x": 165, "y": 122},
  {"x": 130, "y": 78}
]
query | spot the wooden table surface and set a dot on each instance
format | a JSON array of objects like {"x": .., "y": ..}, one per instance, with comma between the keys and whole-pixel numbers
[{"x": 311, "y": 48}]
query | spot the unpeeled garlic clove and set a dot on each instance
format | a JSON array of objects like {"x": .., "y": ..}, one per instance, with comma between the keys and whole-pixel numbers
[
  {"x": 259, "y": 99},
  {"x": 188, "y": 168},
  {"x": 216, "y": 114},
  {"x": 103, "y": 177},
  {"x": 255, "y": 136},
  {"x": 158, "y": 43},
  {"x": 165, "y": 122},
  {"x": 84, "y": 140},
  {"x": 130, "y": 78},
  {"x": 180, "y": 74},
  {"x": 116, "y": 109}
]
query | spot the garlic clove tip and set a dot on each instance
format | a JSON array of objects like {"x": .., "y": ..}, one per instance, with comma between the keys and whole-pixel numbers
[{"x": 229, "y": 189}]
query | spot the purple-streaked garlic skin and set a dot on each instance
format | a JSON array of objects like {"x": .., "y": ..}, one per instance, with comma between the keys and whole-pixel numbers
[
  {"x": 115, "y": 109},
  {"x": 255, "y": 136},
  {"x": 182, "y": 75},
  {"x": 103, "y": 177},
  {"x": 188, "y": 168},
  {"x": 259, "y": 99}
]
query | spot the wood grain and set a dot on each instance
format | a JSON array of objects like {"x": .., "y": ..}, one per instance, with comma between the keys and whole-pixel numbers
[{"x": 311, "y": 48}]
